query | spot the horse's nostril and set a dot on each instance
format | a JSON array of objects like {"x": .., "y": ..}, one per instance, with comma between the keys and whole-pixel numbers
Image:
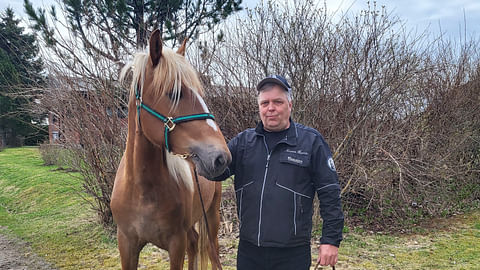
[{"x": 220, "y": 161}]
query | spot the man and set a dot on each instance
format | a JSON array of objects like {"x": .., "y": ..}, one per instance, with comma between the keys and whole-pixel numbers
[{"x": 278, "y": 167}]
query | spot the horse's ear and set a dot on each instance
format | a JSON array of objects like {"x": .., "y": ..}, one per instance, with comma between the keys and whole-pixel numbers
[
  {"x": 155, "y": 44},
  {"x": 181, "y": 50}
]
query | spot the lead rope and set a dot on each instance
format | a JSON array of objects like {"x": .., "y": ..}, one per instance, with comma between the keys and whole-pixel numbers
[{"x": 215, "y": 255}]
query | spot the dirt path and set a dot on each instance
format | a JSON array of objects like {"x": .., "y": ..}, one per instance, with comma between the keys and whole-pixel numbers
[{"x": 17, "y": 255}]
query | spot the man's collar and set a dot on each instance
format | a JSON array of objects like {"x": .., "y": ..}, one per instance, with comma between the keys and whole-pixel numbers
[{"x": 291, "y": 133}]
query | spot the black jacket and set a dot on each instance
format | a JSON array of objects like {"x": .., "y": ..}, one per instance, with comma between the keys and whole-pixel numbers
[{"x": 275, "y": 188}]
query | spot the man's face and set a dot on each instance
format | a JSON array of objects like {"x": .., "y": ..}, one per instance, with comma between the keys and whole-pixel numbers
[{"x": 274, "y": 109}]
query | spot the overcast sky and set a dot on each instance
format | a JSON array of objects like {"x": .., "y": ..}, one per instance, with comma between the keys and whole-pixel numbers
[{"x": 449, "y": 15}]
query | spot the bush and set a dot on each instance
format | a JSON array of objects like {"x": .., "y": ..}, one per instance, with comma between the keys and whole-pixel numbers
[
  {"x": 49, "y": 153},
  {"x": 400, "y": 112},
  {"x": 56, "y": 154},
  {"x": 92, "y": 128}
]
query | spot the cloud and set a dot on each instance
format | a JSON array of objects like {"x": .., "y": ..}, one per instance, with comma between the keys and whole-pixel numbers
[{"x": 423, "y": 14}]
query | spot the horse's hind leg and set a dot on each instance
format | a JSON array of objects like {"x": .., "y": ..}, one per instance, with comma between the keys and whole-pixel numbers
[
  {"x": 213, "y": 216},
  {"x": 130, "y": 249},
  {"x": 192, "y": 249}
]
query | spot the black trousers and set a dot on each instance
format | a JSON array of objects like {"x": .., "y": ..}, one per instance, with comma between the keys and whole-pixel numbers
[{"x": 252, "y": 257}]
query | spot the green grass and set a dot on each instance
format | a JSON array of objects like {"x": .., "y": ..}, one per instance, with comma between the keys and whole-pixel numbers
[
  {"x": 44, "y": 207},
  {"x": 452, "y": 243}
]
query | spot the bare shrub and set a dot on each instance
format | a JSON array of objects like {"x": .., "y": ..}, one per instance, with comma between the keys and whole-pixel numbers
[
  {"x": 378, "y": 93},
  {"x": 228, "y": 211},
  {"x": 92, "y": 122},
  {"x": 50, "y": 153}
]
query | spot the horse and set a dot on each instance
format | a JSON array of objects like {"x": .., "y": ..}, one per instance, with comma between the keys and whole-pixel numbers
[{"x": 155, "y": 198}]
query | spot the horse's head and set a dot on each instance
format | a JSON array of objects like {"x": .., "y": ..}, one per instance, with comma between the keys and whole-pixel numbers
[{"x": 171, "y": 112}]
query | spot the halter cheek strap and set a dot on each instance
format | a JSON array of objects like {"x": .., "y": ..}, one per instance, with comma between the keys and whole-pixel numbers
[{"x": 168, "y": 122}]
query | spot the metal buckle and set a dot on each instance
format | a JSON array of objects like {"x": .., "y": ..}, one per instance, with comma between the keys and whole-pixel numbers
[
  {"x": 185, "y": 156},
  {"x": 170, "y": 124}
]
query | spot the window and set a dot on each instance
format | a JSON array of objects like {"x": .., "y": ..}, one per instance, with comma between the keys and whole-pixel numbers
[{"x": 55, "y": 136}]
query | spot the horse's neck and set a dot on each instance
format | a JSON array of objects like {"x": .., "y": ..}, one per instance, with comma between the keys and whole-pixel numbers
[{"x": 144, "y": 161}]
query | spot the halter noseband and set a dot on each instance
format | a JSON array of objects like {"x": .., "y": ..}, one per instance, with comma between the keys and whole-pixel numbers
[{"x": 168, "y": 122}]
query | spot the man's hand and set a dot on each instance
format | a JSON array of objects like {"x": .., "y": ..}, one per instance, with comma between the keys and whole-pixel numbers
[{"x": 327, "y": 255}]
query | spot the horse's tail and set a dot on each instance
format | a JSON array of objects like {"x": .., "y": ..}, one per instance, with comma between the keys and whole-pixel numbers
[{"x": 203, "y": 242}]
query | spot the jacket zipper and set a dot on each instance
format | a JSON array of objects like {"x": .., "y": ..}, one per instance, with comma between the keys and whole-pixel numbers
[{"x": 263, "y": 188}]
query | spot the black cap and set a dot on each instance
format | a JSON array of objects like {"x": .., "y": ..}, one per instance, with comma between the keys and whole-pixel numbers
[{"x": 276, "y": 79}]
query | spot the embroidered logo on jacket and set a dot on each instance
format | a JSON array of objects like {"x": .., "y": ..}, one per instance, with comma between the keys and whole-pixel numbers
[
  {"x": 300, "y": 152},
  {"x": 295, "y": 160},
  {"x": 331, "y": 164}
]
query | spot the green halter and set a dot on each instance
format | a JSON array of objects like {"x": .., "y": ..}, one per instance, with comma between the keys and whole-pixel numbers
[{"x": 169, "y": 122}]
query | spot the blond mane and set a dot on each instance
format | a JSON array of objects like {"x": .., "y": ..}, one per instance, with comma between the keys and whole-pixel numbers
[{"x": 172, "y": 72}]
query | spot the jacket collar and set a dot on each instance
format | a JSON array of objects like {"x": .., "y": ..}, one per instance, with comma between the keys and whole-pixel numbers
[{"x": 291, "y": 133}]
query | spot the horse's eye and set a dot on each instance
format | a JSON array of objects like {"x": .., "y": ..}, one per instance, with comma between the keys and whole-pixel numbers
[{"x": 172, "y": 95}]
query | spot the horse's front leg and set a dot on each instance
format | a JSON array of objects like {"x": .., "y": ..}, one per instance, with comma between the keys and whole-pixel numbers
[
  {"x": 176, "y": 250},
  {"x": 130, "y": 248}
]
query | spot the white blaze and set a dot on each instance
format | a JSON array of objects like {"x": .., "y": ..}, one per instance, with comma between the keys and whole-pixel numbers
[{"x": 210, "y": 122}]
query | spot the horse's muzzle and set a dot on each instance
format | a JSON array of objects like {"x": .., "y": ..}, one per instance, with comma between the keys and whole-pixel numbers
[{"x": 210, "y": 161}]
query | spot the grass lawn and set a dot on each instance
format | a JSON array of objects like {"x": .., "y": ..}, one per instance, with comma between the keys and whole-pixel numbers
[
  {"x": 452, "y": 243},
  {"x": 44, "y": 207}
]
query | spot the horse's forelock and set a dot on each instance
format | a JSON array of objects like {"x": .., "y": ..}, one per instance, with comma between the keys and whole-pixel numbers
[{"x": 170, "y": 74}]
